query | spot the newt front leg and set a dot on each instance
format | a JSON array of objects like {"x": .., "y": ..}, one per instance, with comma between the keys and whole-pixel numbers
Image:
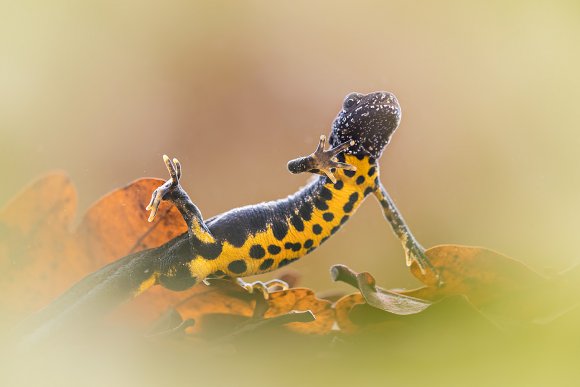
[
  {"x": 414, "y": 252},
  {"x": 322, "y": 161}
]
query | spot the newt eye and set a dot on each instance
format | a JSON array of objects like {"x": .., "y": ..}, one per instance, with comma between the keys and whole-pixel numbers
[{"x": 350, "y": 100}]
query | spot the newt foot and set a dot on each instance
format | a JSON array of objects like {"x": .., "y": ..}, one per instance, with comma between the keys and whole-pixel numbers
[
  {"x": 174, "y": 169},
  {"x": 322, "y": 161},
  {"x": 265, "y": 288},
  {"x": 415, "y": 254}
]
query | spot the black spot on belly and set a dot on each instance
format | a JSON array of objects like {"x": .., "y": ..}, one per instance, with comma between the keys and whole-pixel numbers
[
  {"x": 340, "y": 157},
  {"x": 360, "y": 180},
  {"x": 325, "y": 193},
  {"x": 279, "y": 229},
  {"x": 266, "y": 264},
  {"x": 360, "y": 156},
  {"x": 257, "y": 252},
  {"x": 328, "y": 216},
  {"x": 297, "y": 222},
  {"x": 308, "y": 244},
  {"x": 347, "y": 207},
  {"x": 372, "y": 160},
  {"x": 371, "y": 171},
  {"x": 293, "y": 246},
  {"x": 320, "y": 204},
  {"x": 317, "y": 229},
  {"x": 353, "y": 197},
  {"x": 368, "y": 190},
  {"x": 305, "y": 210},
  {"x": 334, "y": 229},
  {"x": 273, "y": 249},
  {"x": 324, "y": 239},
  {"x": 238, "y": 266},
  {"x": 349, "y": 173},
  {"x": 338, "y": 185},
  {"x": 344, "y": 219}
]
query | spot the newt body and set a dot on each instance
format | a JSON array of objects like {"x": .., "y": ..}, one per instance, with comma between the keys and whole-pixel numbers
[{"x": 263, "y": 237}]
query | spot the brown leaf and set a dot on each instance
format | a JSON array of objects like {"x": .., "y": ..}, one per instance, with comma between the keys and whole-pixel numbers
[
  {"x": 41, "y": 257},
  {"x": 117, "y": 225},
  {"x": 342, "y": 309},
  {"x": 222, "y": 297},
  {"x": 301, "y": 299},
  {"x": 226, "y": 298},
  {"x": 480, "y": 274},
  {"x": 37, "y": 256}
]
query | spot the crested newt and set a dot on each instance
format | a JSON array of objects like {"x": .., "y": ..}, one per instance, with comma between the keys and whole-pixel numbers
[
  {"x": 252, "y": 239},
  {"x": 263, "y": 237}
]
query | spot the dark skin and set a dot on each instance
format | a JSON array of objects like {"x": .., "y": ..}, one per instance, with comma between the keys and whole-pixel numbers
[{"x": 262, "y": 237}]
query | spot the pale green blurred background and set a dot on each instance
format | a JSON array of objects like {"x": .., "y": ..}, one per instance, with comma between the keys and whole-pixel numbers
[{"x": 487, "y": 152}]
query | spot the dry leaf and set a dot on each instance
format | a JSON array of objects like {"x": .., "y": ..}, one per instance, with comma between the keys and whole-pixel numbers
[{"x": 480, "y": 274}]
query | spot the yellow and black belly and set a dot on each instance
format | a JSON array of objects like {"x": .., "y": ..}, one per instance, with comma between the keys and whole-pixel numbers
[{"x": 263, "y": 237}]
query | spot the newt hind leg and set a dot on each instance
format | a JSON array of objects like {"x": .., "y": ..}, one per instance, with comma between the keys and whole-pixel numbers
[
  {"x": 200, "y": 237},
  {"x": 174, "y": 168},
  {"x": 172, "y": 191}
]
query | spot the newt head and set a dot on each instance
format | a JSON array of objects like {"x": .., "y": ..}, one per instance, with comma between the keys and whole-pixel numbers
[{"x": 368, "y": 120}]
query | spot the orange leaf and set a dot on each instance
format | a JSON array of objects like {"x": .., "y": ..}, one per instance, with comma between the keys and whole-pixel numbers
[
  {"x": 40, "y": 257},
  {"x": 222, "y": 297},
  {"x": 117, "y": 224},
  {"x": 302, "y": 299},
  {"x": 226, "y": 298},
  {"x": 343, "y": 307},
  {"x": 480, "y": 274},
  {"x": 37, "y": 257}
]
